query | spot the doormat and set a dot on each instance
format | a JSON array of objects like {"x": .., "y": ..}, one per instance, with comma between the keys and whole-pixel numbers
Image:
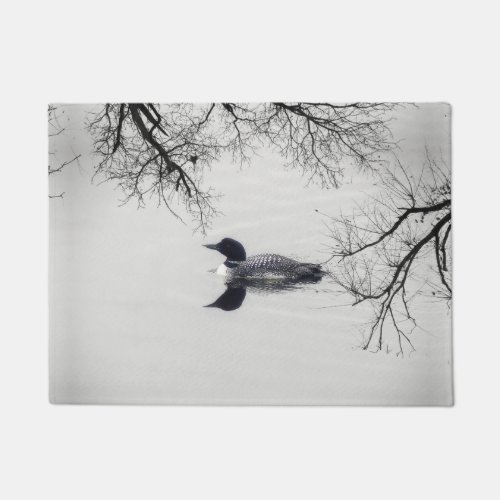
[{"x": 284, "y": 253}]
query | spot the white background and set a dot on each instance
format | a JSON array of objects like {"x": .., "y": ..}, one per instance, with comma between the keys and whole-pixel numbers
[{"x": 142, "y": 51}]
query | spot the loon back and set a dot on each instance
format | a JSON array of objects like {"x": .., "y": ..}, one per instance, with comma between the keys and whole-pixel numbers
[{"x": 273, "y": 265}]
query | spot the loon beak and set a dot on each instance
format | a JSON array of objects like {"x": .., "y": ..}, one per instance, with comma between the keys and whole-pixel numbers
[{"x": 212, "y": 247}]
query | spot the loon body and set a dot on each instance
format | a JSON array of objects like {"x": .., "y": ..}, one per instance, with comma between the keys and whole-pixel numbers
[{"x": 263, "y": 266}]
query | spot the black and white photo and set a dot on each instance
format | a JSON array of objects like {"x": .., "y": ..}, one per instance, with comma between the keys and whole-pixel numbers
[{"x": 227, "y": 253}]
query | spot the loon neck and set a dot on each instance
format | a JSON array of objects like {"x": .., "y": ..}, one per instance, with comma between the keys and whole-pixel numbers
[{"x": 232, "y": 263}]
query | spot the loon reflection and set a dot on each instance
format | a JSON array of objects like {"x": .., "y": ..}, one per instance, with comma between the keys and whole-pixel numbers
[
  {"x": 231, "y": 299},
  {"x": 236, "y": 290}
]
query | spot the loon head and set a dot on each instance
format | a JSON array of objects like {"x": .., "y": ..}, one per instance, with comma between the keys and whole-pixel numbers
[{"x": 232, "y": 249}]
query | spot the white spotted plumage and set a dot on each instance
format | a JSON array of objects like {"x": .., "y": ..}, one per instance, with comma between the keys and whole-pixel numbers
[{"x": 271, "y": 266}]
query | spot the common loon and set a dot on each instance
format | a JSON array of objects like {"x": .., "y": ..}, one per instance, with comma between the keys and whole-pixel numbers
[{"x": 266, "y": 265}]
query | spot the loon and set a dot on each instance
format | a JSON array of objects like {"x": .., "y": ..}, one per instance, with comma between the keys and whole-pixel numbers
[{"x": 263, "y": 266}]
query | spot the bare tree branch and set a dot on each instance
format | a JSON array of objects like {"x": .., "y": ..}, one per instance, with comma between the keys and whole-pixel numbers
[
  {"x": 161, "y": 150},
  {"x": 56, "y": 129},
  {"x": 159, "y": 153},
  {"x": 377, "y": 249}
]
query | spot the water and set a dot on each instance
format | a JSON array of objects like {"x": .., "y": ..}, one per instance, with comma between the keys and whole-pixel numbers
[{"x": 128, "y": 290}]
